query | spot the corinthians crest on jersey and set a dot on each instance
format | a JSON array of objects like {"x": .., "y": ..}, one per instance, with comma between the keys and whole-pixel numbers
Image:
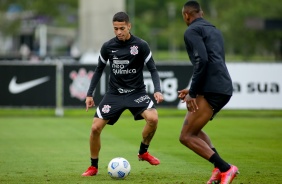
[
  {"x": 106, "y": 109},
  {"x": 134, "y": 50}
]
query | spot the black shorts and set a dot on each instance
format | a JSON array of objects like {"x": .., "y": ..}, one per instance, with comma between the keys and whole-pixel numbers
[
  {"x": 217, "y": 101},
  {"x": 112, "y": 105}
]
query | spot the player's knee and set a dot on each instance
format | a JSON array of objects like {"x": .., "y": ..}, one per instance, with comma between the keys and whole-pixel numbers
[
  {"x": 152, "y": 120},
  {"x": 184, "y": 139},
  {"x": 151, "y": 116},
  {"x": 96, "y": 129}
]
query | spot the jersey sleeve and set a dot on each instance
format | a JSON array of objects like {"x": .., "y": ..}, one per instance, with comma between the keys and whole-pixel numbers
[
  {"x": 102, "y": 62},
  {"x": 154, "y": 74},
  {"x": 150, "y": 64},
  {"x": 198, "y": 55}
]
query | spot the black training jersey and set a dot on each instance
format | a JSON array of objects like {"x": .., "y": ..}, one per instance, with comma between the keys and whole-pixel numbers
[
  {"x": 126, "y": 60},
  {"x": 205, "y": 47}
]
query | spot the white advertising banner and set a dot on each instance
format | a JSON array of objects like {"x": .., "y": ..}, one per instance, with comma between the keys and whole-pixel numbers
[{"x": 256, "y": 86}]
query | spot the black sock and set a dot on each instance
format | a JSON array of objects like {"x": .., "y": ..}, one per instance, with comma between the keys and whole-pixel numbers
[
  {"x": 143, "y": 148},
  {"x": 215, "y": 150},
  {"x": 219, "y": 163},
  {"x": 94, "y": 162},
  {"x": 216, "y": 153}
]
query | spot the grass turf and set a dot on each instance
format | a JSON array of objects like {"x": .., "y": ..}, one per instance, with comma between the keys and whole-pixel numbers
[{"x": 48, "y": 149}]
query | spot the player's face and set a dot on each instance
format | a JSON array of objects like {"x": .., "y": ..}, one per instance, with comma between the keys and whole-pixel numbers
[{"x": 121, "y": 30}]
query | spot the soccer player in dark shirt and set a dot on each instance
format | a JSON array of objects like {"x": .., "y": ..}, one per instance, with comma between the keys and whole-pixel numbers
[
  {"x": 210, "y": 90},
  {"x": 127, "y": 55}
]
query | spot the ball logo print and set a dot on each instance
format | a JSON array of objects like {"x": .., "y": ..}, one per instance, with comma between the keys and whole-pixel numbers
[{"x": 119, "y": 168}]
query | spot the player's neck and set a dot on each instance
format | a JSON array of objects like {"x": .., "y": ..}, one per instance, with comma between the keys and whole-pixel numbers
[{"x": 128, "y": 37}]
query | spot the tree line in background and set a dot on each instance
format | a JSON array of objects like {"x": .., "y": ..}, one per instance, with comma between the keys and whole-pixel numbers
[{"x": 160, "y": 22}]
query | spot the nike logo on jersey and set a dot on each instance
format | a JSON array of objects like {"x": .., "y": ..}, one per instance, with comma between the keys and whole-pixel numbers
[
  {"x": 16, "y": 88},
  {"x": 114, "y": 51}
]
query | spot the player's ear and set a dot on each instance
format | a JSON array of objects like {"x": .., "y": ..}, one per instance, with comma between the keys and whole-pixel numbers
[
  {"x": 186, "y": 16},
  {"x": 129, "y": 26},
  {"x": 202, "y": 13}
]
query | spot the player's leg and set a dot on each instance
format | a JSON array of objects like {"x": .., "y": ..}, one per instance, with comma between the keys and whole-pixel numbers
[
  {"x": 142, "y": 107},
  {"x": 215, "y": 177},
  {"x": 95, "y": 141},
  {"x": 225, "y": 174},
  {"x": 95, "y": 145},
  {"x": 194, "y": 138},
  {"x": 108, "y": 112},
  {"x": 151, "y": 118},
  {"x": 202, "y": 135},
  {"x": 192, "y": 126}
]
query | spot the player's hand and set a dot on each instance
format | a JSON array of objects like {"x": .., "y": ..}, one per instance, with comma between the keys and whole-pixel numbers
[
  {"x": 191, "y": 103},
  {"x": 89, "y": 102},
  {"x": 182, "y": 93},
  {"x": 158, "y": 97}
]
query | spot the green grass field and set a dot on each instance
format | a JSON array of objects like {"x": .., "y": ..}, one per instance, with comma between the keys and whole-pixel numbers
[{"x": 37, "y": 147}]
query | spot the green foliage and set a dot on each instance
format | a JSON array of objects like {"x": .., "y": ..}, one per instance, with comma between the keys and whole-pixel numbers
[
  {"x": 56, "y": 150},
  {"x": 160, "y": 22},
  {"x": 228, "y": 16},
  {"x": 154, "y": 23},
  {"x": 58, "y": 11}
]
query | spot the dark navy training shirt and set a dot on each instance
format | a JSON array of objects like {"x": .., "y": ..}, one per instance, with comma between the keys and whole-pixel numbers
[
  {"x": 205, "y": 47},
  {"x": 126, "y": 60}
]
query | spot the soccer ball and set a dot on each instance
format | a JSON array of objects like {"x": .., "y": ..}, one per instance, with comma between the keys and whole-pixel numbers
[{"x": 119, "y": 168}]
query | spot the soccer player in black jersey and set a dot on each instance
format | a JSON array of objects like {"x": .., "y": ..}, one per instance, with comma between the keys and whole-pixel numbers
[
  {"x": 127, "y": 55},
  {"x": 210, "y": 89}
]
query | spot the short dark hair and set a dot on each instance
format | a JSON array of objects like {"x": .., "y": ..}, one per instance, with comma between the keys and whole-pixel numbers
[
  {"x": 121, "y": 17},
  {"x": 194, "y": 5}
]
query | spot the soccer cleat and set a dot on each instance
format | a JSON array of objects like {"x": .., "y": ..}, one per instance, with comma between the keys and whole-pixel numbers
[
  {"x": 91, "y": 171},
  {"x": 215, "y": 177},
  {"x": 149, "y": 158},
  {"x": 228, "y": 176}
]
